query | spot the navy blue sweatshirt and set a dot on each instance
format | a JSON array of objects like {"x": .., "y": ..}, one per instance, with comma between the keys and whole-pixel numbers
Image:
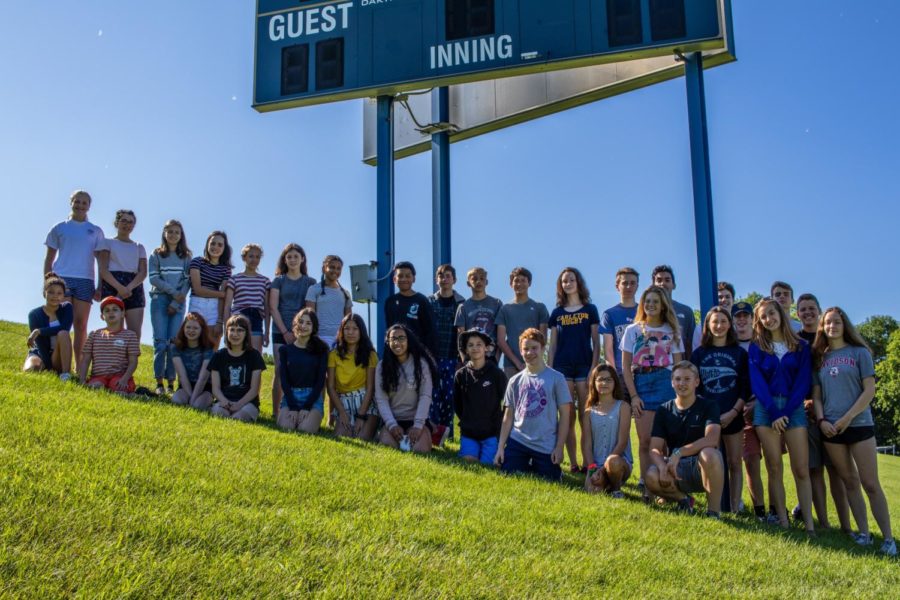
[
  {"x": 299, "y": 368},
  {"x": 38, "y": 319}
]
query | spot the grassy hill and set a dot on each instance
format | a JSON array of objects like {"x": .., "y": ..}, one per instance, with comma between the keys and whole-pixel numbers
[{"x": 106, "y": 497}]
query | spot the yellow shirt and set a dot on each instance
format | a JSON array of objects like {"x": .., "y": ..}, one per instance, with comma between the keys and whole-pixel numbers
[{"x": 349, "y": 376}]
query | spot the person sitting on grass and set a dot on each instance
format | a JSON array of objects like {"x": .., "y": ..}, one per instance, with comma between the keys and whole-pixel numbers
[
  {"x": 302, "y": 366},
  {"x": 111, "y": 353},
  {"x": 536, "y": 417},
  {"x": 403, "y": 385},
  {"x": 689, "y": 427},
  {"x": 606, "y": 432},
  {"x": 478, "y": 389},
  {"x": 191, "y": 353},
  {"x": 236, "y": 370},
  {"x": 49, "y": 344},
  {"x": 351, "y": 381}
]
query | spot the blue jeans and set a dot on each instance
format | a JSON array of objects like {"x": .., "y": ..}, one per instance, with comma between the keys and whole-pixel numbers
[{"x": 165, "y": 326}]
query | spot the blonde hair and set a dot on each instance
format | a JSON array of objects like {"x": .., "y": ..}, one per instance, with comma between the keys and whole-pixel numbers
[
  {"x": 476, "y": 271},
  {"x": 668, "y": 315},
  {"x": 762, "y": 337},
  {"x": 246, "y": 250}
]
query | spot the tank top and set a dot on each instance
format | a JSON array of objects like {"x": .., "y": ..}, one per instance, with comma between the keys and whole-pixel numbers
[{"x": 605, "y": 433}]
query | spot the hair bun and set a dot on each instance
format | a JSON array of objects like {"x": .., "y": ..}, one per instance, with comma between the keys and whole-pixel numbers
[{"x": 51, "y": 275}]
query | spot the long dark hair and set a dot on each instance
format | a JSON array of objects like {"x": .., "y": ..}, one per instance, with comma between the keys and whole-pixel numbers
[
  {"x": 707, "y": 339},
  {"x": 851, "y": 336},
  {"x": 593, "y": 398},
  {"x": 181, "y": 248},
  {"x": 364, "y": 348},
  {"x": 282, "y": 269},
  {"x": 315, "y": 345},
  {"x": 329, "y": 259},
  {"x": 225, "y": 259},
  {"x": 390, "y": 366},
  {"x": 584, "y": 294}
]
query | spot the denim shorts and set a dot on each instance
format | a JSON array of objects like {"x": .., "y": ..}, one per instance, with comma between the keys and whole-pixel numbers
[
  {"x": 654, "y": 388},
  {"x": 690, "y": 479},
  {"x": 254, "y": 315},
  {"x": 80, "y": 288},
  {"x": 301, "y": 395},
  {"x": 484, "y": 450},
  {"x": 761, "y": 417},
  {"x": 574, "y": 372}
]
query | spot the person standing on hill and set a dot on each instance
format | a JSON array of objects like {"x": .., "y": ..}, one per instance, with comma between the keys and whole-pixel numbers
[
  {"x": 444, "y": 304},
  {"x": 329, "y": 299},
  {"x": 517, "y": 316},
  {"x": 616, "y": 318},
  {"x": 123, "y": 269},
  {"x": 664, "y": 277},
  {"x": 480, "y": 310},
  {"x": 208, "y": 274}
]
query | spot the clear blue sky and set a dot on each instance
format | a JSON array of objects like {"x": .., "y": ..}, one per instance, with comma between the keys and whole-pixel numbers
[{"x": 147, "y": 106}]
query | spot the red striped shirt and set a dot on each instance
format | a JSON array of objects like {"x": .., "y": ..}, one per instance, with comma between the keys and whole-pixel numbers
[{"x": 110, "y": 351}]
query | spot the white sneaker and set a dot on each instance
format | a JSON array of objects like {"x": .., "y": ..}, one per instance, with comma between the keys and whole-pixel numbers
[
  {"x": 65, "y": 377},
  {"x": 864, "y": 539},
  {"x": 889, "y": 547}
]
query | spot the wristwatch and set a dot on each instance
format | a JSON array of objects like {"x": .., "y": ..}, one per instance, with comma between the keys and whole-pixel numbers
[{"x": 676, "y": 453}]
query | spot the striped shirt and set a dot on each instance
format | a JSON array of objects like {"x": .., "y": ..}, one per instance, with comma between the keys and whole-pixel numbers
[
  {"x": 250, "y": 291},
  {"x": 211, "y": 276},
  {"x": 109, "y": 351}
]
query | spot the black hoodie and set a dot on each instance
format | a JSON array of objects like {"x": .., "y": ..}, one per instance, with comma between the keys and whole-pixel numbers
[{"x": 478, "y": 400}]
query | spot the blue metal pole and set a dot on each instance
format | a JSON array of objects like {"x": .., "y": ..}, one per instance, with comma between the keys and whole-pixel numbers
[
  {"x": 385, "y": 209},
  {"x": 440, "y": 180}
]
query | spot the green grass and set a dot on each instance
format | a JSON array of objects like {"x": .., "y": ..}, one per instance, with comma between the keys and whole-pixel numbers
[{"x": 106, "y": 497}]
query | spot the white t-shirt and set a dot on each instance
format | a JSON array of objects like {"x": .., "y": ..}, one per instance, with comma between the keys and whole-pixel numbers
[
  {"x": 124, "y": 256},
  {"x": 651, "y": 346},
  {"x": 75, "y": 243}
]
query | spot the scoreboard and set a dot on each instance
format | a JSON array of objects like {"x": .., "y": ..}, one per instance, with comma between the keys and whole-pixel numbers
[{"x": 316, "y": 51}]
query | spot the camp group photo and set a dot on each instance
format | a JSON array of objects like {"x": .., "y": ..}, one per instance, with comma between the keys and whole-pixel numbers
[{"x": 601, "y": 308}]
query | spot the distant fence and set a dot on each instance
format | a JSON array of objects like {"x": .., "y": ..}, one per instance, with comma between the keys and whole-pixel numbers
[{"x": 888, "y": 450}]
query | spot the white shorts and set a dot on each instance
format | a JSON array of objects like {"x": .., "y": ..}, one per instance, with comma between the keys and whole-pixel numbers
[{"x": 208, "y": 308}]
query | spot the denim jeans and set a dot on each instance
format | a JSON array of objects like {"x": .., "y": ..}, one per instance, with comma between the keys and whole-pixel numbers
[{"x": 165, "y": 326}]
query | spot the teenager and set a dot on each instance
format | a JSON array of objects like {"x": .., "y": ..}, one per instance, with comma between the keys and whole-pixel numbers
[
  {"x": 606, "y": 433},
  {"x": 517, "y": 316},
  {"x": 191, "y": 354},
  {"x": 574, "y": 346},
  {"x": 351, "y": 381},
  {"x": 480, "y": 310},
  {"x": 536, "y": 415},
  {"x": 302, "y": 367},
  {"x": 72, "y": 248},
  {"x": 111, "y": 354},
  {"x": 208, "y": 274},
  {"x": 49, "y": 343},
  {"x": 616, "y": 318},
  {"x": 780, "y": 377},
  {"x": 410, "y": 308},
  {"x": 169, "y": 284},
  {"x": 478, "y": 392},
  {"x": 725, "y": 295},
  {"x": 650, "y": 347},
  {"x": 725, "y": 380},
  {"x": 742, "y": 317},
  {"x": 247, "y": 294},
  {"x": 783, "y": 294},
  {"x": 236, "y": 371},
  {"x": 843, "y": 393},
  {"x": 403, "y": 384},
  {"x": 329, "y": 299},
  {"x": 664, "y": 277},
  {"x": 286, "y": 297},
  {"x": 444, "y": 304},
  {"x": 685, "y": 446},
  {"x": 123, "y": 268}
]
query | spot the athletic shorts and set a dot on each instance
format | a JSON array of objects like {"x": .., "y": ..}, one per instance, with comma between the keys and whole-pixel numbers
[
  {"x": 80, "y": 288},
  {"x": 352, "y": 402},
  {"x": 255, "y": 316},
  {"x": 736, "y": 425},
  {"x": 208, "y": 308},
  {"x": 110, "y": 382},
  {"x": 752, "y": 446},
  {"x": 761, "y": 416},
  {"x": 484, "y": 450},
  {"x": 135, "y": 300},
  {"x": 277, "y": 337},
  {"x": 852, "y": 435},
  {"x": 574, "y": 372},
  {"x": 817, "y": 455}
]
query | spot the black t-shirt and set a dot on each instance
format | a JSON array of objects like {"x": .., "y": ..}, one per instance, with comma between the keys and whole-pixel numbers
[
  {"x": 414, "y": 312},
  {"x": 724, "y": 374},
  {"x": 236, "y": 372},
  {"x": 806, "y": 335},
  {"x": 681, "y": 427}
]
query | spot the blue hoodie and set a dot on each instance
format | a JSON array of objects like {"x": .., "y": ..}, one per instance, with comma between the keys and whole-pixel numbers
[{"x": 790, "y": 377}]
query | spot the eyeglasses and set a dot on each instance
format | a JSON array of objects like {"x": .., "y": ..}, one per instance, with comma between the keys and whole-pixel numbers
[{"x": 398, "y": 339}]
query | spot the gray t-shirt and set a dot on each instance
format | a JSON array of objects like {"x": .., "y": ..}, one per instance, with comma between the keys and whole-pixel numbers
[
  {"x": 517, "y": 318},
  {"x": 329, "y": 308},
  {"x": 841, "y": 377},
  {"x": 291, "y": 295},
  {"x": 535, "y": 401},
  {"x": 479, "y": 314}
]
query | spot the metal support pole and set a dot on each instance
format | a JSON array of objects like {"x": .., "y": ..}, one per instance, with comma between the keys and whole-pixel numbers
[
  {"x": 385, "y": 209},
  {"x": 440, "y": 180}
]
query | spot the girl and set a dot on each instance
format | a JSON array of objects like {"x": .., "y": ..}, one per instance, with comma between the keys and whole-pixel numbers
[
  {"x": 191, "y": 355},
  {"x": 330, "y": 301},
  {"x": 843, "y": 392},
  {"x": 236, "y": 370},
  {"x": 302, "y": 367},
  {"x": 351, "y": 381},
  {"x": 49, "y": 344},
  {"x": 724, "y": 378},
  {"x": 650, "y": 347},
  {"x": 72, "y": 247},
  {"x": 168, "y": 266},
  {"x": 574, "y": 344},
  {"x": 286, "y": 297},
  {"x": 606, "y": 433},
  {"x": 780, "y": 377},
  {"x": 123, "y": 268},
  {"x": 246, "y": 293},
  {"x": 208, "y": 275},
  {"x": 403, "y": 384}
]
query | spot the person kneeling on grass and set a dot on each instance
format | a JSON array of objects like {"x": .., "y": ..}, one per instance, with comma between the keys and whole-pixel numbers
[
  {"x": 49, "y": 343},
  {"x": 112, "y": 352},
  {"x": 478, "y": 389},
  {"x": 606, "y": 433},
  {"x": 689, "y": 427},
  {"x": 403, "y": 385},
  {"x": 302, "y": 366},
  {"x": 536, "y": 419},
  {"x": 191, "y": 353},
  {"x": 236, "y": 370}
]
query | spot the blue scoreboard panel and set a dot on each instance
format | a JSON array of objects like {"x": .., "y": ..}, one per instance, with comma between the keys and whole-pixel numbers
[{"x": 316, "y": 51}]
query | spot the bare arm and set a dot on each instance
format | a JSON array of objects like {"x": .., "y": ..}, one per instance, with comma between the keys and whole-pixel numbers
[
  {"x": 126, "y": 376},
  {"x": 505, "y": 428},
  {"x": 333, "y": 395},
  {"x": 201, "y": 292},
  {"x": 710, "y": 439},
  {"x": 48, "y": 260},
  {"x": 609, "y": 352},
  {"x": 370, "y": 391},
  {"x": 140, "y": 276},
  {"x": 562, "y": 431},
  {"x": 595, "y": 344},
  {"x": 865, "y": 398},
  {"x": 229, "y": 297},
  {"x": 504, "y": 347},
  {"x": 624, "y": 429},
  {"x": 105, "y": 275},
  {"x": 587, "y": 437},
  {"x": 201, "y": 380}
]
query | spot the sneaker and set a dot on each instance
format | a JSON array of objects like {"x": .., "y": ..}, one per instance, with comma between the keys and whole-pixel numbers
[
  {"x": 64, "y": 377},
  {"x": 772, "y": 519},
  {"x": 686, "y": 505},
  {"x": 160, "y": 390},
  {"x": 863, "y": 539},
  {"x": 713, "y": 515},
  {"x": 797, "y": 514},
  {"x": 741, "y": 506},
  {"x": 618, "y": 494},
  {"x": 889, "y": 547},
  {"x": 171, "y": 389}
]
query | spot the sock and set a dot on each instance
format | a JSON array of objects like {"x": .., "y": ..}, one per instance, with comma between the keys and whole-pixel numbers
[{"x": 759, "y": 511}]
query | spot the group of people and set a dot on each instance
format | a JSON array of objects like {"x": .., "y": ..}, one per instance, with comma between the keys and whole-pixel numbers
[{"x": 708, "y": 401}]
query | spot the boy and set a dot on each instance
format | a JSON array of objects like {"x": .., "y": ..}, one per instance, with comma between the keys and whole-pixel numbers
[
  {"x": 112, "y": 352},
  {"x": 726, "y": 295},
  {"x": 689, "y": 428},
  {"x": 444, "y": 304},
  {"x": 514, "y": 318},
  {"x": 536, "y": 417},
  {"x": 478, "y": 390},
  {"x": 409, "y": 307},
  {"x": 664, "y": 277},
  {"x": 742, "y": 315},
  {"x": 783, "y": 294},
  {"x": 480, "y": 310},
  {"x": 615, "y": 319}
]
